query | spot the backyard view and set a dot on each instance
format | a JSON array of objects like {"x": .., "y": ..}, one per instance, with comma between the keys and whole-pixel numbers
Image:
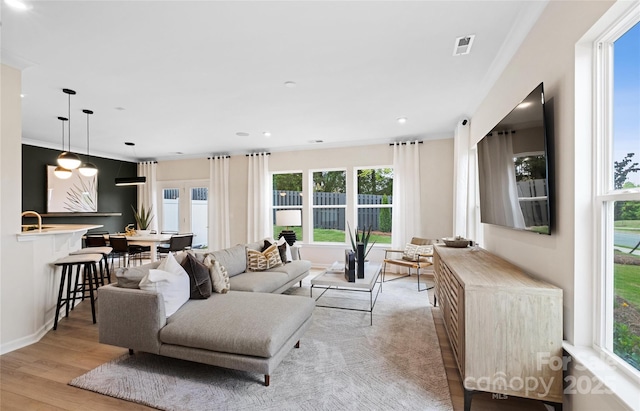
[
  {"x": 374, "y": 199},
  {"x": 626, "y": 214}
]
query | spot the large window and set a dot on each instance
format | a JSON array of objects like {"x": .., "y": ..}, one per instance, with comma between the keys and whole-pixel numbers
[
  {"x": 329, "y": 205},
  {"x": 375, "y": 198},
  {"x": 618, "y": 192},
  {"x": 287, "y": 195}
]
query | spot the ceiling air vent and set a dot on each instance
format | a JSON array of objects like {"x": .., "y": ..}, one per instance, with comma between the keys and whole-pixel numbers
[{"x": 463, "y": 45}]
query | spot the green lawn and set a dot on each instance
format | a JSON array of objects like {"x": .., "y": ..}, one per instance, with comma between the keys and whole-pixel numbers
[
  {"x": 627, "y": 225},
  {"x": 332, "y": 236},
  {"x": 627, "y": 283}
]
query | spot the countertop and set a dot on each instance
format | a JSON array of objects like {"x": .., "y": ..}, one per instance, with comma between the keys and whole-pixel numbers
[{"x": 56, "y": 229}]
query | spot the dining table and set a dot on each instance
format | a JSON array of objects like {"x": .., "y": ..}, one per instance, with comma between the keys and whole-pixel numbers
[{"x": 151, "y": 240}]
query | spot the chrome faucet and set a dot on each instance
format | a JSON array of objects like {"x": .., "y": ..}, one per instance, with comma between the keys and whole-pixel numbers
[{"x": 24, "y": 213}]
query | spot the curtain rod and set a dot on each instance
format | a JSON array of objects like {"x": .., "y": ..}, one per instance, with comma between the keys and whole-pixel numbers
[
  {"x": 257, "y": 154},
  {"x": 404, "y": 143},
  {"x": 209, "y": 158}
]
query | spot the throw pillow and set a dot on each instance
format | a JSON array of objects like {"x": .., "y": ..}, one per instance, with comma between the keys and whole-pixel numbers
[
  {"x": 199, "y": 279},
  {"x": 129, "y": 277},
  {"x": 413, "y": 251},
  {"x": 173, "y": 287},
  {"x": 219, "y": 275},
  {"x": 282, "y": 248},
  {"x": 260, "y": 261}
]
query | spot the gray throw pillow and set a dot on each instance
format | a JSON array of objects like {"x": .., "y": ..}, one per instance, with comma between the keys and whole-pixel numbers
[{"x": 198, "y": 278}]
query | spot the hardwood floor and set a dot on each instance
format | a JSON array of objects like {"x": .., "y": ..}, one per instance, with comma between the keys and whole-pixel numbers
[{"x": 35, "y": 377}]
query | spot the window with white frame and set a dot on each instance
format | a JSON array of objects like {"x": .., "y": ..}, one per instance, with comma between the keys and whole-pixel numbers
[
  {"x": 329, "y": 205},
  {"x": 374, "y": 202},
  {"x": 287, "y": 195},
  {"x": 617, "y": 204}
]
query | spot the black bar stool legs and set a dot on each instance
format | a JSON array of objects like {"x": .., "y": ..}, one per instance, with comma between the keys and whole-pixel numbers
[{"x": 74, "y": 286}]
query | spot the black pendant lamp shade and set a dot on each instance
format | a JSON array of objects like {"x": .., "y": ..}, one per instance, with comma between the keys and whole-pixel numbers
[{"x": 67, "y": 159}]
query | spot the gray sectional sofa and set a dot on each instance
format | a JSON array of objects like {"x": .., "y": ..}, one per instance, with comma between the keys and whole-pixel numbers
[{"x": 250, "y": 328}]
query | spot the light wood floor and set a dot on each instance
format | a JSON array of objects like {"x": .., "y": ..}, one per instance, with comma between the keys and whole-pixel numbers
[{"x": 35, "y": 377}]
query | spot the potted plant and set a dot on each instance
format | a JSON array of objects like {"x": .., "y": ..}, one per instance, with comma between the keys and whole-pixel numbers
[
  {"x": 143, "y": 219},
  {"x": 361, "y": 237}
]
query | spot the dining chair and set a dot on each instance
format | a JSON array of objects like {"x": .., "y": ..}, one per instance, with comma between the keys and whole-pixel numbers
[
  {"x": 178, "y": 242},
  {"x": 123, "y": 250}
]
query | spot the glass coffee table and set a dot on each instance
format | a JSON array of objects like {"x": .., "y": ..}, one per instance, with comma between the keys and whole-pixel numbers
[{"x": 334, "y": 280}]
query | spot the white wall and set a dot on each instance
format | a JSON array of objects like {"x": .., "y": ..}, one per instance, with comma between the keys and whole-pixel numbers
[
  {"x": 437, "y": 180},
  {"x": 548, "y": 55}
]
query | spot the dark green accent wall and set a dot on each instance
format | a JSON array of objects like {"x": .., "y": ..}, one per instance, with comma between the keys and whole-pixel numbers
[{"x": 110, "y": 198}]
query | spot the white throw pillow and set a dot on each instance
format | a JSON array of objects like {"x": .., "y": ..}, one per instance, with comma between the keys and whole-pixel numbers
[
  {"x": 281, "y": 241},
  {"x": 170, "y": 280}
]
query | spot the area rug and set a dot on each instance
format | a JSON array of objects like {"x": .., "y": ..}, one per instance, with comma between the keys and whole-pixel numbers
[{"x": 343, "y": 363}]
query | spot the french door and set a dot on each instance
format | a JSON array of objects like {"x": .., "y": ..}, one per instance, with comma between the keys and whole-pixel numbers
[{"x": 183, "y": 208}]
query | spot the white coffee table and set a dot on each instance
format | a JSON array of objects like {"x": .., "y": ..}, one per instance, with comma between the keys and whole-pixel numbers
[{"x": 331, "y": 280}]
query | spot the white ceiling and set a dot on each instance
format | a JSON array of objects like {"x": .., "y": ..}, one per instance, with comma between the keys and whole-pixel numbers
[{"x": 186, "y": 76}]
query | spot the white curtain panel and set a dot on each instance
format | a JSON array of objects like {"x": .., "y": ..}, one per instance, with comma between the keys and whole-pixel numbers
[
  {"x": 460, "y": 179},
  {"x": 258, "y": 205},
  {"x": 407, "y": 207},
  {"x": 147, "y": 193},
  {"x": 219, "y": 224},
  {"x": 500, "y": 182}
]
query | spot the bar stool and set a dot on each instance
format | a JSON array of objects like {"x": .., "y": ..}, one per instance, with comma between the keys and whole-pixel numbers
[
  {"x": 105, "y": 251},
  {"x": 90, "y": 282}
]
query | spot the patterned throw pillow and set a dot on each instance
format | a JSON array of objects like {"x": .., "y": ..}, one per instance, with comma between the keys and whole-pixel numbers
[
  {"x": 260, "y": 261},
  {"x": 219, "y": 274},
  {"x": 282, "y": 248},
  {"x": 412, "y": 251}
]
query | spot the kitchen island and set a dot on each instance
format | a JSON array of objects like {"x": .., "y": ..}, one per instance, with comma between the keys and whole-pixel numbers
[{"x": 35, "y": 289}]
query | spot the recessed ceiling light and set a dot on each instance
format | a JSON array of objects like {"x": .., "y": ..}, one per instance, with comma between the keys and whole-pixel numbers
[
  {"x": 17, "y": 4},
  {"x": 120, "y": 108},
  {"x": 290, "y": 84},
  {"x": 242, "y": 134},
  {"x": 266, "y": 134},
  {"x": 316, "y": 141},
  {"x": 129, "y": 143},
  {"x": 179, "y": 152},
  {"x": 401, "y": 120}
]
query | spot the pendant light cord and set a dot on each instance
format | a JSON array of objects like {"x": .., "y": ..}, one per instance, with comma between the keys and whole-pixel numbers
[{"x": 69, "y": 110}]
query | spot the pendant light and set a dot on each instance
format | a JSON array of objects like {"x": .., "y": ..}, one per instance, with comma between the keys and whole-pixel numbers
[
  {"x": 60, "y": 171},
  {"x": 88, "y": 169},
  {"x": 67, "y": 159}
]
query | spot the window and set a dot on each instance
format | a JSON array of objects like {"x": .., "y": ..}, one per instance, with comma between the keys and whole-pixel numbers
[
  {"x": 618, "y": 192},
  {"x": 329, "y": 206},
  {"x": 375, "y": 196},
  {"x": 287, "y": 195}
]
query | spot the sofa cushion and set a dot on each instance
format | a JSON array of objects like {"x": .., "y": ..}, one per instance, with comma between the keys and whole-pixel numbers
[
  {"x": 258, "y": 281},
  {"x": 254, "y": 324},
  {"x": 199, "y": 280},
  {"x": 129, "y": 277},
  {"x": 234, "y": 259},
  {"x": 293, "y": 269},
  {"x": 261, "y": 261}
]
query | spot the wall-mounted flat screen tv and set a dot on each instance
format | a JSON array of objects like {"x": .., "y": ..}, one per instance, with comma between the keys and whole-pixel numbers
[{"x": 513, "y": 168}]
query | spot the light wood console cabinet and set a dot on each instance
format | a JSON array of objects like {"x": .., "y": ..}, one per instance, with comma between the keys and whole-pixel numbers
[{"x": 505, "y": 327}]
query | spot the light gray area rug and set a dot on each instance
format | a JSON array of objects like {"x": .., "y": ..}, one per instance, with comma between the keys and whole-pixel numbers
[{"x": 343, "y": 363}]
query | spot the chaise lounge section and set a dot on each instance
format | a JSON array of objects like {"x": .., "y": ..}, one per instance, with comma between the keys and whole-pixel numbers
[{"x": 250, "y": 328}]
